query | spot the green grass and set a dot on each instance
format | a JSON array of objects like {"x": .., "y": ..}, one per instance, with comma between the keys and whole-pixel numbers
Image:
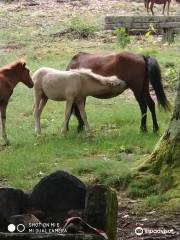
[
  {"x": 113, "y": 150},
  {"x": 110, "y": 154}
]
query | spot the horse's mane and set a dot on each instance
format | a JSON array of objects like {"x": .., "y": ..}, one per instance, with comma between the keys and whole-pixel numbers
[{"x": 13, "y": 65}]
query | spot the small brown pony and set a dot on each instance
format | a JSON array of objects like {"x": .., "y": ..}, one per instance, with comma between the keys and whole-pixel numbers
[
  {"x": 149, "y": 4},
  {"x": 136, "y": 70},
  {"x": 10, "y": 76}
]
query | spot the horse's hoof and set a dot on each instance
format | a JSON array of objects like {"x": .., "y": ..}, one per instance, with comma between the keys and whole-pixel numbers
[
  {"x": 155, "y": 129},
  {"x": 63, "y": 132},
  {"x": 4, "y": 143},
  {"x": 87, "y": 129},
  {"x": 38, "y": 135},
  {"x": 37, "y": 132},
  {"x": 80, "y": 129},
  {"x": 143, "y": 129}
]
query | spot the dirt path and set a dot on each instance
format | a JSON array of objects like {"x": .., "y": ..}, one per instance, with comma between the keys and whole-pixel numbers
[
  {"x": 155, "y": 225},
  {"x": 67, "y": 8}
]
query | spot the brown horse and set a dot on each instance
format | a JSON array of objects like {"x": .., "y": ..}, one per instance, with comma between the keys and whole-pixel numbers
[
  {"x": 136, "y": 70},
  {"x": 149, "y": 4},
  {"x": 10, "y": 76}
]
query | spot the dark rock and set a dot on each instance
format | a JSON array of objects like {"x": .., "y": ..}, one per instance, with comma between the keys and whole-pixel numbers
[
  {"x": 73, "y": 228},
  {"x": 24, "y": 219},
  {"x": 101, "y": 209},
  {"x": 37, "y": 213},
  {"x": 12, "y": 202},
  {"x": 75, "y": 213},
  {"x": 3, "y": 223},
  {"x": 58, "y": 193}
]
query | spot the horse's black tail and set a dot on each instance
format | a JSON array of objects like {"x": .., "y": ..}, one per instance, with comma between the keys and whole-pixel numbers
[{"x": 154, "y": 75}]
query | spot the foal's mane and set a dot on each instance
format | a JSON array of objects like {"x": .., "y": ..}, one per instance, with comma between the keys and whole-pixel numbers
[
  {"x": 94, "y": 76},
  {"x": 87, "y": 72},
  {"x": 13, "y": 65}
]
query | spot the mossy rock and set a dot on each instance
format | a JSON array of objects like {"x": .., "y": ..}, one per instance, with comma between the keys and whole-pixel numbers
[{"x": 101, "y": 209}]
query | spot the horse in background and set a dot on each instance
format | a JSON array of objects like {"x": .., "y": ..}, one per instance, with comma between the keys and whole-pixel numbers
[
  {"x": 136, "y": 70},
  {"x": 70, "y": 86},
  {"x": 10, "y": 76},
  {"x": 149, "y": 4}
]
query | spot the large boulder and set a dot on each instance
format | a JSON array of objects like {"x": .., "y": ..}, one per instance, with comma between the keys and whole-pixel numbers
[
  {"x": 12, "y": 202},
  {"x": 3, "y": 224},
  {"x": 58, "y": 193}
]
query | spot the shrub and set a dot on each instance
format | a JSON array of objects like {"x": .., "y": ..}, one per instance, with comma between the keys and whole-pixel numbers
[
  {"x": 122, "y": 37},
  {"x": 143, "y": 187},
  {"x": 79, "y": 28}
]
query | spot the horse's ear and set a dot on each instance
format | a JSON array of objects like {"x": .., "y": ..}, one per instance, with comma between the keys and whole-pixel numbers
[{"x": 23, "y": 64}]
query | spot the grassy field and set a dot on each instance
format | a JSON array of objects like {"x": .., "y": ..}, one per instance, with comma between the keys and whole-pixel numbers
[{"x": 113, "y": 150}]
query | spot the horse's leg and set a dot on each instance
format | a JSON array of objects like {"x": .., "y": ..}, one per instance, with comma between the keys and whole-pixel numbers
[
  {"x": 143, "y": 107},
  {"x": 145, "y": 3},
  {"x": 168, "y": 8},
  {"x": 81, "y": 107},
  {"x": 79, "y": 118},
  {"x": 147, "y": 6},
  {"x": 164, "y": 7},
  {"x": 69, "y": 104},
  {"x": 3, "y": 123},
  {"x": 38, "y": 100},
  {"x": 151, "y": 106},
  {"x": 151, "y": 7}
]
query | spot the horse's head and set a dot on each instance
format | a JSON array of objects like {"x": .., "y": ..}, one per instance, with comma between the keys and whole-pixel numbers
[{"x": 24, "y": 74}]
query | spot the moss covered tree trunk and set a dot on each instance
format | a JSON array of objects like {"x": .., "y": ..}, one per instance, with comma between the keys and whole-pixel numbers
[{"x": 165, "y": 159}]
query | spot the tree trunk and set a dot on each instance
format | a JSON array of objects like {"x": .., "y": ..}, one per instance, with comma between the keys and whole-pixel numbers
[{"x": 164, "y": 162}]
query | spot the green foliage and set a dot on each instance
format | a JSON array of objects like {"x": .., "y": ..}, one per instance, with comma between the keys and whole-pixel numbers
[
  {"x": 152, "y": 202},
  {"x": 122, "y": 37},
  {"x": 166, "y": 181},
  {"x": 171, "y": 75},
  {"x": 151, "y": 31},
  {"x": 79, "y": 27},
  {"x": 143, "y": 187}
]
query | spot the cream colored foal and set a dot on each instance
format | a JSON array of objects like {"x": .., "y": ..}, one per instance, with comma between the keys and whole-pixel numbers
[{"x": 71, "y": 86}]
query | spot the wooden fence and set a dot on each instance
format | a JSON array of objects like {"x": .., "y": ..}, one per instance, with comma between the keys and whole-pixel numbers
[{"x": 167, "y": 26}]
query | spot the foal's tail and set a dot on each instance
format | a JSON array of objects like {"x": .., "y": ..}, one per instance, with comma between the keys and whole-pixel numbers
[{"x": 154, "y": 75}]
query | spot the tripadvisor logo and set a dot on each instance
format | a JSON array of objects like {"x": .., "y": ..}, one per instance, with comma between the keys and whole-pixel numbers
[{"x": 139, "y": 231}]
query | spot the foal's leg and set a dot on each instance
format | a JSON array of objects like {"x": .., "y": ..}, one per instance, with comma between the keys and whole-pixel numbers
[
  {"x": 43, "y": 102},
  {"x": 143, "y": 107},
  {"x": 3, "y": 123},
  {"x": 151, "y": 106},
  {"x": 81, "y": 106},
  {"x": 38, "y": 100},
  {"x": 69, "y": 104}
]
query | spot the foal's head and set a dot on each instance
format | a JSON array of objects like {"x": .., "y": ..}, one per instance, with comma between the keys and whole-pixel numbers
[{"x": 22, "y": 73}]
